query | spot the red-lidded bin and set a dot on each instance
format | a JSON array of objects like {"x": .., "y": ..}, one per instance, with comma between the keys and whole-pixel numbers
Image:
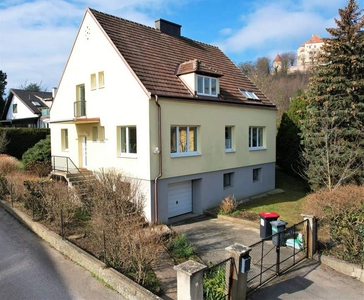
[{"x": 265, "y": 225}]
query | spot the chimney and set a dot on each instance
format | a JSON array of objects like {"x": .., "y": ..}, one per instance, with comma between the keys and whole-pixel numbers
[
  {"x": 168, "y": 27},
  {"x": 54, "y": 90}
]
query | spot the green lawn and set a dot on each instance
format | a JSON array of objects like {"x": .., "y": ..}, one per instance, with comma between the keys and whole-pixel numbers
[{"x": 287, "y": 204}]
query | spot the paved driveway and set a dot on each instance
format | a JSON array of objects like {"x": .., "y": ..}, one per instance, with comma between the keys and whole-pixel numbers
[{"x": 308, "y": 280}]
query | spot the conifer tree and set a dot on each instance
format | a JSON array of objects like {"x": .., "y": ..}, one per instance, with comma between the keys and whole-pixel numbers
[{"x": 333, "y": 131}]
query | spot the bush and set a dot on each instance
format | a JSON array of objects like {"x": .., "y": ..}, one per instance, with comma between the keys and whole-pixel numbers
[
  {"x": 21, "y": 139},
  {"x": 180, "y": 248},
  {"x": 228, "y": 205},
  {"x": 341, "y": 220},
  {"x": 40, "y": 152},
  {"x": 214, "y": 283},
  {"x": 8, "y": 164}
]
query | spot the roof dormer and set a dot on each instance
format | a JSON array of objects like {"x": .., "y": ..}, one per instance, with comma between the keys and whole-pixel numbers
[{"x": 199, "y": 78}]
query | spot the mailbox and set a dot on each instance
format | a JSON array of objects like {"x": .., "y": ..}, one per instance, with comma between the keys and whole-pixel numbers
[{"x": 245, "y": 264}]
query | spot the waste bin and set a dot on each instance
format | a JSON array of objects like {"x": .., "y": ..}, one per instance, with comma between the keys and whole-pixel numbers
[
  {"x": 278, "y": 228},
  {"x": 265, "y": 226}
]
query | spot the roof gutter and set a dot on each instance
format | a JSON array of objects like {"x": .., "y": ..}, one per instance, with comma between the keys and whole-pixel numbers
[{"x": 159, "y": 151}]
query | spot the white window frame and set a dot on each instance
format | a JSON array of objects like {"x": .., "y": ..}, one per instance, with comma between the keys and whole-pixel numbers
[
  {"x": 229, "y": 140},
  {"x": 15, "y": 108},
  {"x": 249, "y": 94},
  {"x": 177, "y": 143},
  {"x": 124, "y": 141},
  {"x": 256, "y": 138},
  {"x": 93, "y": 81},
  {"x": 207, "y": 86}
]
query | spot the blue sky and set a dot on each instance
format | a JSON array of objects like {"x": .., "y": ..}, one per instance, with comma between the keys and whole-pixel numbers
[{"x": 36, "y": 36}]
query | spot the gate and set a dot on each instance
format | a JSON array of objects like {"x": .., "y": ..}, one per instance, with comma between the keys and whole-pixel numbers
[
  {"x": 217, "y": 280},
  {"x": 275, "y": 254}
]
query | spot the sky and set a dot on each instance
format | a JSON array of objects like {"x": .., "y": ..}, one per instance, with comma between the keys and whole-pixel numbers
[{"x": 36, "y": 36}]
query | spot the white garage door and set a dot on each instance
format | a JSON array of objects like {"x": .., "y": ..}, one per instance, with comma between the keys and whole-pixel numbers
[{"x": 179, "y": 198}]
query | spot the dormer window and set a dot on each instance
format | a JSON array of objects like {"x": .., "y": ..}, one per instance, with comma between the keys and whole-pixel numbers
[
  {"x": 206, "y": 86},
  {"x": 249, "y": 95}
]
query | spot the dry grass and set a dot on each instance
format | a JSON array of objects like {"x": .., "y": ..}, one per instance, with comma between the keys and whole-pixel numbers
[
  {"x": 8, "y": 164},
  {"x": 228, "y": 205}
]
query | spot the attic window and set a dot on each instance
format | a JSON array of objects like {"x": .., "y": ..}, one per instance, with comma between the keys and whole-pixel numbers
[
  {"x": 35, "y": 103},
  {"x": 206, "y": 86},
  {"x": 249, "y": 94}
]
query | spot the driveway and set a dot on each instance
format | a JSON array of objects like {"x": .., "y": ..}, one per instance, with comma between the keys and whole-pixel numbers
[{"x": 308, "y": 280}]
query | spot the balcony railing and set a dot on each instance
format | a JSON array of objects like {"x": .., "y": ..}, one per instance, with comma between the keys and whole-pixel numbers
[{"x": 80, "y": 108}]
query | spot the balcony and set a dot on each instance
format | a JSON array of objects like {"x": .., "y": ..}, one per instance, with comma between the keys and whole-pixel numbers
[{"x": 80, "y": 109}]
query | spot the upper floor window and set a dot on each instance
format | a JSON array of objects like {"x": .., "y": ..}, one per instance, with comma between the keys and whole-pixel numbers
[
  {"x": 206, "y": 85},
  {"x": 101, "y": 79},
  {"x": 256, "y": 137},
  {"x": 80, "y": 104},
  {"x": 228, "y": 138},
  {"x": 184, "y": 139},
  {"x": 93, "y": 81},
  {"x": 15, "y": 108},
  {"x": 128, "y": 139},
  {"x": 249, "y": 95}
]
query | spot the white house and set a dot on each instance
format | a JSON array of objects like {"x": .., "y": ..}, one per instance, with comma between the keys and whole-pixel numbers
[
  {"x": 175, "y": 113},
  {"x": 27, "y": 109}
]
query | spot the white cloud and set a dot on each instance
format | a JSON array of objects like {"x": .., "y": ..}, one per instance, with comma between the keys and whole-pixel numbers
[{"x": 281, "y": 26}]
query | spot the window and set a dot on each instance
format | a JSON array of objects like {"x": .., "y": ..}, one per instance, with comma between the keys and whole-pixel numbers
[
  {"x": 95, "y": 133},
  {"x": 228, "y": 138},
  {"x": 80, "y": 104},
  {"x": 228, "y": 179},
  {"x": 206, "y": 86},
  {"x": 35, "y": 103},
  {"x": 128, "y": 139},
  {"x": 256, "y": 139},
  {"x": 93, "y": 81},
  {"x": 249, "y": 94},
  {"x": 45, "y": 111},
  {"x": 183, "y": 139},
  {"x": 257, "y": 173},
  {"x": 15, "y": 108},
  {"x": 101, "y": 133},
  {"x": 64, "y": 137},
  {"x": 101, "y": 80}
]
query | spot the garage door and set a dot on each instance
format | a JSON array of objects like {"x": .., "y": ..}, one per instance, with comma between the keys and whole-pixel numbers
[{"x": 179, "y": 198}]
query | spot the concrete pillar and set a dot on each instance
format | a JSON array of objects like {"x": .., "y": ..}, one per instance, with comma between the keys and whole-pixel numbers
[
  {"x": 311, "y": 234},
  {"x": 189, "y": 280},
  {"x": 239, "y": 285}
]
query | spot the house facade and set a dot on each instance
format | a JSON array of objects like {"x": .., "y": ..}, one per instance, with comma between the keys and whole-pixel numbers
[
  {"x": 174, "y": 113},
  {"x": 27, "y": 109}
]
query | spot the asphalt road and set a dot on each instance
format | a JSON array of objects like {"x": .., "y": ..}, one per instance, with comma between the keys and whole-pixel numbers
[{"x": 31, "y": 269}]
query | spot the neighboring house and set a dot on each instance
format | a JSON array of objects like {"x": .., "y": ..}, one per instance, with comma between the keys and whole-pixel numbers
[
  {"x": 27, "y": 109},
  {"x": 175, "y": 113}
]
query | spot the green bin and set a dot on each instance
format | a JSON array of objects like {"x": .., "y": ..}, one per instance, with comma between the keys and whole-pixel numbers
[{"x": 278, "y": 228}]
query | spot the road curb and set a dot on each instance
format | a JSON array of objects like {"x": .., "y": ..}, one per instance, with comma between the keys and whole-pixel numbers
[{"x": 123, "y": 285}]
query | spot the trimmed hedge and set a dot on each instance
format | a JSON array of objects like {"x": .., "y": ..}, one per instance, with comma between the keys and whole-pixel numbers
[{"x": 21, "y": 139}]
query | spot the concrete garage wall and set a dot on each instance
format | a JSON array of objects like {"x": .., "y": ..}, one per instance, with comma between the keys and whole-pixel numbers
[{"x": 208, "y": 189}]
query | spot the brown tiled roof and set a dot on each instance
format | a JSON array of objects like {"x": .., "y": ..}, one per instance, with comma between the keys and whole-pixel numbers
[
  {"x": 278, "y": 58},
  {"x": 314, "y": 39},
  {"x": 156, "y": 57}
]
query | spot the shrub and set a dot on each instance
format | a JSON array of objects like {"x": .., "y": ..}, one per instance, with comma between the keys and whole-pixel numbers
[
  {"x": 180, "y": 248},
  {"x": 214, "y": 283},
  {"x": 341, "y": 220},
  {"x": 116, "y": 204},
  {"x": 8, "y": 164},
  {"x": 228, "y": 205},
  {"x": 40, "y": 152}
]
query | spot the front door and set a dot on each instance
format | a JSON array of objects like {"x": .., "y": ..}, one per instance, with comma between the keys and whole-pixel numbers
[{"x": 84, "y": 152}]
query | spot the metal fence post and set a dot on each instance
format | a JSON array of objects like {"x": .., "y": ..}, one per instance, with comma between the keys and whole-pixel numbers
[{"x": 62, "y": 233}]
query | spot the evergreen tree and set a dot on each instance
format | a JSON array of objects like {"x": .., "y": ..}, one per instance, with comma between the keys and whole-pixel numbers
[
  {"x": 3, "y": 84},
  {"x": 289, "y": 148},
  {"x": 333, "y": 131}
]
